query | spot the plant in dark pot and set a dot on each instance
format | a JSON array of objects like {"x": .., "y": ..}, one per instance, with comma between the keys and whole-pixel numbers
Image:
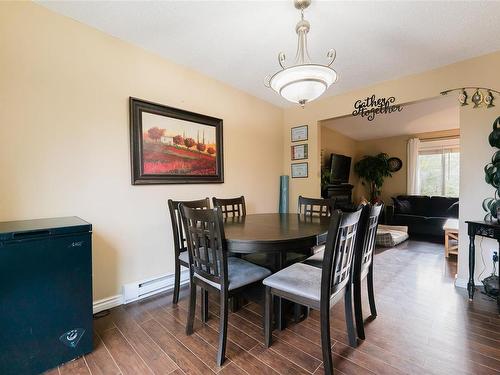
[
  {"x": 373, "y": 170},
  {"x": 326, "y": 176},
  {"x": 492, "y": 175}
]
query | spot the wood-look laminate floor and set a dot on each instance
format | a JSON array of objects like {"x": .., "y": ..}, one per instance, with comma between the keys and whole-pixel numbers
[{"x": 425, "y": 326}]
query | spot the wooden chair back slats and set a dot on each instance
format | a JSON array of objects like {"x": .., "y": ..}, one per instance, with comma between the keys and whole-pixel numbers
[
  {"x": 176, "y": 220},
  {"x": 205, "y": 241},
  {"x": 369, "y": 225},
  {"x": 231, "y": 207},
  {"x": 339, "y": 252},
  {"x": 316, "y": 207}
]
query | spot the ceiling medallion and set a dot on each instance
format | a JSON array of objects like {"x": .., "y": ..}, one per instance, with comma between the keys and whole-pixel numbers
[{"x": 303, "y": 81}]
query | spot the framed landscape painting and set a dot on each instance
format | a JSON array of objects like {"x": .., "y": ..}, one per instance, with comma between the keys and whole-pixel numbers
[{"x": 173, "y": 146}]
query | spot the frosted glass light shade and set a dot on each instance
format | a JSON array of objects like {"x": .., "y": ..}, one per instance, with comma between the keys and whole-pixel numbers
[{"x": 303, "y": 83}]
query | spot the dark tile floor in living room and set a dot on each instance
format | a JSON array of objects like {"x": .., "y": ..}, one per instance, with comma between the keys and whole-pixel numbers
[{"x": 424, "y": 326}]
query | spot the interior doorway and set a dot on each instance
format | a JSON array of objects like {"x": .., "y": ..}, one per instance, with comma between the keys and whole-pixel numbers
[{"x": 424, "y": 139}]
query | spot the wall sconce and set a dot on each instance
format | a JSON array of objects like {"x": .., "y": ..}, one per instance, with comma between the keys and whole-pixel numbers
[{"x": 480, "y": 96}]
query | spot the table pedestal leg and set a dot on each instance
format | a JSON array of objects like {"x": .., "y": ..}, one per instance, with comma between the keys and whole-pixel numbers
[{"x": 472, "y": 261}]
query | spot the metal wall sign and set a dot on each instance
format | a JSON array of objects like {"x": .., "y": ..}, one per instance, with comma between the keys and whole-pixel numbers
[{"x": 373, "y": 106}]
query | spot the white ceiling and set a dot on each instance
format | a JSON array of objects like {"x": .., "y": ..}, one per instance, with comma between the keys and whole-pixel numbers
[
  {"x": 436, "y": 114},
  {"x": 237, "y": 42}
]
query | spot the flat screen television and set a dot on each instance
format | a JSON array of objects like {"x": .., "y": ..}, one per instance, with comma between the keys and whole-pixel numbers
[{"x": 340, "y": 166}]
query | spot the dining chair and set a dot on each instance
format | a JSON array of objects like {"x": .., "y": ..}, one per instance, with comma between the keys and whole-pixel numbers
[
  {"x": 180, "y": 249},
  {"x": 310, "y": 208},
  {"x": 320, "y": 288},
  {"x": 231, "y": 207},
  {"x": 316, "y": 207},
  {"x": 363, "y": 264},
  {"x": 212, "y": 269}
]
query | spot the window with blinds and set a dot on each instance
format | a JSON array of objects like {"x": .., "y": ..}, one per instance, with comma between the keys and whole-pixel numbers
[{"x": 439, "y": 167}]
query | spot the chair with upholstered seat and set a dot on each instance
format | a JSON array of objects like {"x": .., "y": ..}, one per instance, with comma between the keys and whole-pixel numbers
[
  {"x": 363, "y": 264},
  {"x": 316, "y": 207},
  {"x": 231, "y": 207},
  {"x": 310, "y": 208},
  {"x": 212, "y": 269},
  {"x": 320, "y": 288},
  {"x": 180, "y": 249}
]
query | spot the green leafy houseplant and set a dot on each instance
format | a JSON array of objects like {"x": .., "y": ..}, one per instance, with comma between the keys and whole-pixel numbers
[
  {"x": 325, "y": 177},
  {"x": 373, "y": 170}
]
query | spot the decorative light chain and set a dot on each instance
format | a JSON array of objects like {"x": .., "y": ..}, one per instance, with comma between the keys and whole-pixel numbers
[{"x": 481, "y": 97}]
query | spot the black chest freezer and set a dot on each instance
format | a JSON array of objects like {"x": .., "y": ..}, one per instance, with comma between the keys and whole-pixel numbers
[{"x": 45, "y": 293}]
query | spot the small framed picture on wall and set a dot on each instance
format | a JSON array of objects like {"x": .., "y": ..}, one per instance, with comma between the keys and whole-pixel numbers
[
  {"x": 299, "y": 133},
  {"x": 299, "y": 152},
  {"x": 299, "y": 170}
]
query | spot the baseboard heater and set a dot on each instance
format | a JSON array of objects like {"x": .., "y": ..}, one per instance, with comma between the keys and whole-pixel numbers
[{"x": 149, "y": 287}]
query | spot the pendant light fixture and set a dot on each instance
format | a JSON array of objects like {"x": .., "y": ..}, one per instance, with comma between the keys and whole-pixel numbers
[{"x": 303, "y": 81}]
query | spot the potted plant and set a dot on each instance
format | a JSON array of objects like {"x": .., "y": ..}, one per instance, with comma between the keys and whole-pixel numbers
[
  {"x": 325, "y": 180},
  {"x": 373, "y": 170}
]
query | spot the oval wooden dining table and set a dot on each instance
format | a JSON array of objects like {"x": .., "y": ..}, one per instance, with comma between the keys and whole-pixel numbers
[
  {"x": 277, "y": 234},
  {"x": 274, "y": 232}
]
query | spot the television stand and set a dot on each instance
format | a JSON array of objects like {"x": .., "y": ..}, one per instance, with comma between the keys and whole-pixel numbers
[{"x": 342, "y": 194}]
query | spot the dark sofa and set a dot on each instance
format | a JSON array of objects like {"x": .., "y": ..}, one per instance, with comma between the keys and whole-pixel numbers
[{"x": 422, "y": 214}]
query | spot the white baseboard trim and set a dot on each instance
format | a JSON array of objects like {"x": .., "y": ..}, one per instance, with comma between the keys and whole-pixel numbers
[
  {"x": 462, "y": 283},
  {"x": 108, "y": 303},
  {"x": 131, "y": 291}
]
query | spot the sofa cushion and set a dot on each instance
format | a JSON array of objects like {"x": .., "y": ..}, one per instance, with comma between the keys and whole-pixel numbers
[
  {"x": 439, "y": 206},
  {"x": 452, "y": 211},
  {"x": 434, "y": 226},
  {"x": 416, "y": 224},
  {"x": 420, "y": 204},
  {"x": 401, "y": 206}
]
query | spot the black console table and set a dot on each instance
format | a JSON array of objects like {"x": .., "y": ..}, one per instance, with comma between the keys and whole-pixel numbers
[
  {"x": 342, "y": 194},
  {"x": 485, "y": 229}
]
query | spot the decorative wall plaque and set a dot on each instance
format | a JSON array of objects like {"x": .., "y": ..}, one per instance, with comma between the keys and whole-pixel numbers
[
  {"x": 299, "y": 152},
  {"x": 373, "y": 106}
]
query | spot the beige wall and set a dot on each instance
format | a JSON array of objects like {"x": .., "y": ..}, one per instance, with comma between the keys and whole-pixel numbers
[
  {"x": 474, "y": 127},
  {"x": 64, "y": 90},
  {"x": 475, "y": 153}
]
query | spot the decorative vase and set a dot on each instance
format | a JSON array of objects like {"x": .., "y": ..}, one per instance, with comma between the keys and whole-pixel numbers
[{"x": 283, "y": 202}]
